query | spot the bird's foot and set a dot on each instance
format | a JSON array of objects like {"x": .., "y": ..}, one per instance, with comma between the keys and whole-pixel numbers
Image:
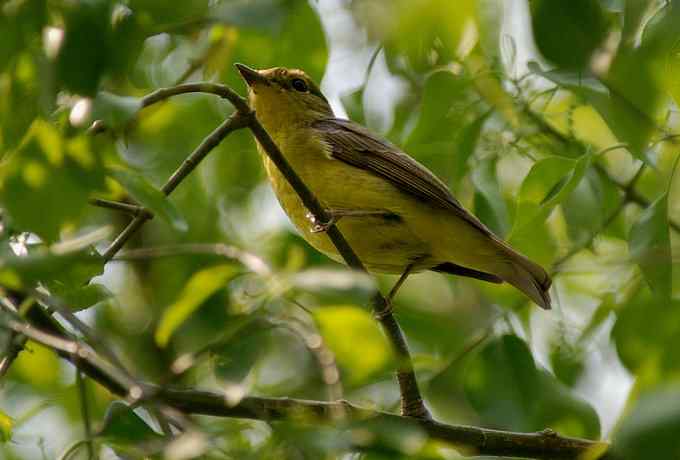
[
  {"x": 319, "y": 226},
  {"x": 385, "y": 311}
]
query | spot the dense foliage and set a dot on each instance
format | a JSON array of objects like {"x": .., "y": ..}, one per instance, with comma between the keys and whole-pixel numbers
[{"x": 555, "y": 122}]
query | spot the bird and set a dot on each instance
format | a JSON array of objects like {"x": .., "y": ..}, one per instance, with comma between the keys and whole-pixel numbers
[{"x": 397, "y": 215}]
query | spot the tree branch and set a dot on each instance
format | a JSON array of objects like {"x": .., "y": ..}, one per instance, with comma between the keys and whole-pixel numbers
[{"x": 472, "y": 440}]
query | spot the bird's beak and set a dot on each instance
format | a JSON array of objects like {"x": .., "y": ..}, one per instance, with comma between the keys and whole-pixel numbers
[{"x": 250, "y": 76}]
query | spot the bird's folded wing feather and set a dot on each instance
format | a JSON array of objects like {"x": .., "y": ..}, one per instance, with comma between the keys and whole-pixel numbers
[{"x": 355, "y": 145}]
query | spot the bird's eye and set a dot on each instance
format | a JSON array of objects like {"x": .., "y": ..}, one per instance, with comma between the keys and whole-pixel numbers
[{"x": 299, "y": 85}]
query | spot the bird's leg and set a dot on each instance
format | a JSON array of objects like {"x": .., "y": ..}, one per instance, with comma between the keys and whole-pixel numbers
[
  {"x": 387, "y": 308},
  {"x": 337, "y": 214}
]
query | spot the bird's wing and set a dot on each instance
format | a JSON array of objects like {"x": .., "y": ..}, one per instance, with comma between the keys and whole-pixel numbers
[{"x": 357, "y": 146}]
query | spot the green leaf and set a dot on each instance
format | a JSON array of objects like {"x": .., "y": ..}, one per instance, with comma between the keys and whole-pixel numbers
[
  {"x": 509, "y": 391},
  {"x": 83, "y": 57},
  {"x": 20, "y": 22},
  {"x": 644, "y": 331},
  {"x": 628, "y": 122},
  {"x": 45, "y": 184},
  {"x": 239, "y": 351},
  {"x": 650, "y": 247},
  {"x": 651, "y": 429},
  {"x": 549, "y": 182},
  {"x": 81, "y": 298},
  {"x": 199, "y": 288},
  {"x": 115, "y": 111},
  {"x": 466, "y": 144},
  {"x": 66, "y": 271},
  {"x": 489, "y": 203},
  {"x": 567, "y": 33},
  {"x": 149, "y": 196},
  {"x": 123, "y": 427},
  {"x": 436, "y": 123},
  {"x": 6, "y": 424},
  {"x": 355, "y": 339}
]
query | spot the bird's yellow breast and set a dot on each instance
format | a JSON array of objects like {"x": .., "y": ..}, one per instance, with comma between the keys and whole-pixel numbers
[{"x": 383, "y": 243}]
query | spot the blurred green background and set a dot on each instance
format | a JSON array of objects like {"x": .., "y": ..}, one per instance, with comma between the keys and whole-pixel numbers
[{"x": 556, "y": 123}]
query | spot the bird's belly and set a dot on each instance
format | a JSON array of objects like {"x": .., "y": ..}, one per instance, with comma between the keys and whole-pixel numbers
[{"x": 385, "y": 243}]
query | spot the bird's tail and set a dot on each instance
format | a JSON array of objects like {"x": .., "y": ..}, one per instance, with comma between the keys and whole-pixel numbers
[{"x": 527, "y": 276}]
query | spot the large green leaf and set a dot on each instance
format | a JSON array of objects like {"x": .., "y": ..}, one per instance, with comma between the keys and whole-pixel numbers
[
  {"x": 651, "y": 429},
  {"x": 549, "y": 182},
  {"x": 489, "y": 203},
  {"x": 65, "y": 272},
  {"x": 508, "y": 390},
  {"x": 6, "y": 424},
  {"x": 148, "y": 195},
  {"x": 354, "y": 337},
  {"x": 650, "y": 247},
  {"x": 645, "y": 330},
  {"x": 436, "y": 121},
  {"x": 201, "y": 286},
  {"x": 122, "y": 427},
  {"x": 627, "y": 121},
  {"x": 567, "y": 33},
  {"x": 83, "y": 57},
  {"x": 45, "y": 184}
]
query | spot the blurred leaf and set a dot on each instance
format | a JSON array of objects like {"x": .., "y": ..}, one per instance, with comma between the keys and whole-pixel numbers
[
  {"x": 435, "y": 123},
  {"x": 83, "y": 57},
  {"x": 650, "y": 246},
  {"x": 38, "y": 367},
  {"x": 354, "y": 337},
  {"x": 6, "y": 424},
  {"x": 149, "y": 196},
  {"x": 83, "y": 297},
  {"x": 20, "y": 22},
  {"x": 115, "y": 111},
  {"x": 466, "y": 144},
  {"x": 549, "y": 182},
  {"x": 644, "y": 331},
  {"x": 158, "y": 16},
  {"x": 567, "y": 33},
  {"x": 123, "y": 427},
  {"x": 660, "y": 44},
  {"x": 628, "y": 123},
  {"x": 258, "y": 14},
  {"x": 509, "y": 391},
  {"x": 46, "y": 183},
  {"x": 651, "y": 429},
  {"x": 489, "y": 203},
  {"x": 279, "y": 46},
  {"x": 240, "y": 349},
  {"x": 427, "y": 33},
  {"x": 490, "y": 20},
  {"x": 201, "y": 286},
  {"x": 66, "y": 271}
]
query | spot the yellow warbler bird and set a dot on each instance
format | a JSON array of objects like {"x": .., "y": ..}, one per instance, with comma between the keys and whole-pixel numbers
[{"x": 396, "y": 215}]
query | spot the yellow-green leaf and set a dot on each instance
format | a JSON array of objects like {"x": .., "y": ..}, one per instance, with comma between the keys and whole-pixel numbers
[
  {"x": 355, "y": 339},
  {"x": 200, "y": 286}
]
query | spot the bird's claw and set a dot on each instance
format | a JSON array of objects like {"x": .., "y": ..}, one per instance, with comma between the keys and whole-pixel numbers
[{"x": 317, "y": 225}]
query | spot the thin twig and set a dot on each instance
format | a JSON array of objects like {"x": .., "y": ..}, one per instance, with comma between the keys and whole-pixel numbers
[
  {"x": 252, "y": 262},
  {"x": 234, "y": 122},
  {"x": 131, "y": 209},
  {"x": 85, "y": 413}
]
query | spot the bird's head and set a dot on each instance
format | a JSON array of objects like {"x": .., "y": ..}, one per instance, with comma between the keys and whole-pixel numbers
[{"x": 283, "y": 96}]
